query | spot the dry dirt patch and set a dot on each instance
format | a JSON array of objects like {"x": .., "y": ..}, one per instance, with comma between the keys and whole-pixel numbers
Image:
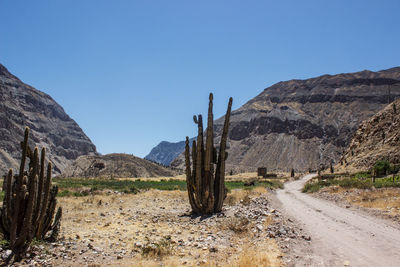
[
  {"x": 384, "y": 202},
  {"x": 155, "y": 228}
]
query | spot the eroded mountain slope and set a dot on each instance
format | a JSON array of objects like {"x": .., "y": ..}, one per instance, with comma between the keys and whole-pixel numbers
[
  {"x": 22, "y": 105},
  {"x": 303, "y": 124}
]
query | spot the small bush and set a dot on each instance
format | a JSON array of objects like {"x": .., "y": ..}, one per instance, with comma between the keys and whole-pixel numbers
[
  {"x": 382, "y": 167},
  {"x": 159, "y": 249},
  {"x": 238, "y": 224}
]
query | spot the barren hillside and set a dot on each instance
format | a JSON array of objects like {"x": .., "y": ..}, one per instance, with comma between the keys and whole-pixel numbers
[
  {"x": 22, "y": 105},
  {"x": 115, "y": 166},
  {"x": 303, "y": 124},
  {"x": 377, "y": 138}
]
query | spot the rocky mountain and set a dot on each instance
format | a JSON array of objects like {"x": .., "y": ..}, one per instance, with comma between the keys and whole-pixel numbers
[
  {"x": 165, "y": 152},
  {"x": 115, "y": 166},
  {"x": 304, "y": 124},
  {"x": 377, "y": 138},
  {"x": 22, "y": 105}
]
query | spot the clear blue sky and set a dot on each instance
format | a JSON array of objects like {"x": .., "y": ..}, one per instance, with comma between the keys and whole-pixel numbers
[{"x": 133, "y": 73}]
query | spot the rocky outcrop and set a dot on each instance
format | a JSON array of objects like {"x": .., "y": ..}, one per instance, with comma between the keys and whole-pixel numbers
[
  {"x": 377, "y": 138},
  {"x": 115, "y": 166},
  {"x": 22, "y": 105},
  {"x": 304, "y": 124}
]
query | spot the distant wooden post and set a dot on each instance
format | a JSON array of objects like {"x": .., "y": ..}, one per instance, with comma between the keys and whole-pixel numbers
[
  {"x": 373, "y": 176},
  {"x": 262, "y": 171}
]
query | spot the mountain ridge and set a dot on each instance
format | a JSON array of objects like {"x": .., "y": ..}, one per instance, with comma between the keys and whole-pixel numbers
[
  {"x": 50, "y": 127},
  {"x": 303, "y": 124}
]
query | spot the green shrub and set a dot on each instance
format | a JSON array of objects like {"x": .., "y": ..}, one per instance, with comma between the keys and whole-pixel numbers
[{"x": 382, "y": 167}]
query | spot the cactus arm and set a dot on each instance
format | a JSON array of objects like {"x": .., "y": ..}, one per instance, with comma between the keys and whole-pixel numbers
[
  {"x": 194, "y": 159},
  {"x": 56, "y": 225},
  {"x": 44, "y": 205},
  {"x": 48, "y": 220},
  {"x": 220, "y": 172},
  {"x": 187, "y": 162},
  {"x": 39, "y": 195},
  {"x": 208, "y": 187},
  {"x": 18, "y": 188},
  {"x": 28, "y": 226},
  {"x": 209, "y": 134},
  {"x": 189, "y": 178},
  {"x": 6, "y": 210},
  {"x": 196, "y": 197},
  {"x": 199, "y": 159}
]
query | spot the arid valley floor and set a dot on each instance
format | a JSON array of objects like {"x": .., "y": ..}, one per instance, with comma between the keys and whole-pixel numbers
[{"x": 256, "y": 228}]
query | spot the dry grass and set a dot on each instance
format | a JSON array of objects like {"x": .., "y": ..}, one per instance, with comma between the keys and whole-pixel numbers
[
  {"x": 118, "y": 222},
  {"x": 267, "y": 255},
  {"x": 236, "y": 196},
  {"x": 238, "y": 225},
  {"x": 244, "y": 195},
  {"x": 387, "y": 199},
  {"x": 253, "y": 176}
]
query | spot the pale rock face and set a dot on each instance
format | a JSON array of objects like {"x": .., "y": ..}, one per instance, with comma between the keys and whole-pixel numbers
[
  {"x": 165, "y": 152},
  {"x": 304, "y": 124},
  {"x": 22, "y": 105}
]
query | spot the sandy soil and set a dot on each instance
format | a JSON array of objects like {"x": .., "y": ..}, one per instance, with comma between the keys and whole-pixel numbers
[
  {"x": 341, "y": 236},
  {"x": 155, "y": 228}
]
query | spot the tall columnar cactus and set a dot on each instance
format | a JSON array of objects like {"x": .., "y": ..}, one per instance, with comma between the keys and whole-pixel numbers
[
  {"x": 206, "y": 182},
  {"x": 29, "y": 202}
]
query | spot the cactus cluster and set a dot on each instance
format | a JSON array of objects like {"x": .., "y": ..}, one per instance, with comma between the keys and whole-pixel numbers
[
  {"x": 206, "y": 182},
  {"x": 29, "y": 202}
]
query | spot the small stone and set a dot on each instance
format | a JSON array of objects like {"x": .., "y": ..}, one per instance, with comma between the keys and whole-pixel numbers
[
  {"x": 7, "y": 254},
  {"x": 346, "y": 263},
  {"x": 119, "y": 257},
  {"x": 282, "y": 231},
  {"x": 271, "y": 235},
  {"x": 213, "y": 249},
  {"x": 306, "y": 237}
]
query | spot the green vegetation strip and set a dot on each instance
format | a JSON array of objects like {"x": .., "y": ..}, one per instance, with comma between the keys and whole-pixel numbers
[
  {"x": 83, "y": 187},
  {"x": 359, "y": 180}
]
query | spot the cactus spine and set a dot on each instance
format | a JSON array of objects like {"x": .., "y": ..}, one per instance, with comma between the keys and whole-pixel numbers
[
  {"x": 29, "y": 204},
  {"x": 205, "y": 182}
]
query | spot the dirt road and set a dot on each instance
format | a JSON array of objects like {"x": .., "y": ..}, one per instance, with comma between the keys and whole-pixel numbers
[{"x": 340, "y": 236}]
